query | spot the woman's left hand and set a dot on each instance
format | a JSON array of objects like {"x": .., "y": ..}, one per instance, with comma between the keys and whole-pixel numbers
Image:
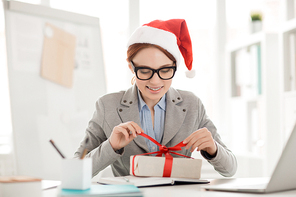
[{"x": 202, "y": 140}]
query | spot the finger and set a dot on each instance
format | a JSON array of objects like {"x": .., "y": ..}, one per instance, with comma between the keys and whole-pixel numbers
[
  {"x": 188, "y": 139},
  {"x": 196, "y": 134},
  {"x": 196, "y": 139},
  {"x": 124, "y": 132},
  {"x": 132, "y": 130},
  {"x": 207, "y": 140},
  {"x": 199, "y": 134},
  {"x": 137, "y": 127},
  {"x": 194, "y": 146},
  {"x": 128, "y": 127},
  {"x": 204, "y": 145},
  {"x": 191, "y": 141},
  {"x": 197, "y": 142}
]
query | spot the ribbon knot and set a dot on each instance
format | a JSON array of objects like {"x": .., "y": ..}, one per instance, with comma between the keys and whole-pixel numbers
[
  {"x": 167, "y": 151},
  {"x": 163, "y": 149}
]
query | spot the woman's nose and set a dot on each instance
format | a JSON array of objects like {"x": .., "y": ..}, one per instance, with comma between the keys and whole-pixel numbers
[{"x": 155, "y": 77}]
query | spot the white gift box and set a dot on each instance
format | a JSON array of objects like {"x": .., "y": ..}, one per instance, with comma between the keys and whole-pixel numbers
[
  {"x": 153, "y": 166},
  {"x": 76, "y": 173},
  {"x": 16, "y": 186}
]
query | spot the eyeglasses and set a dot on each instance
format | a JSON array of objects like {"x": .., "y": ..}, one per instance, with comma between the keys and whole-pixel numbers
[{"x": 146, "y": 73}]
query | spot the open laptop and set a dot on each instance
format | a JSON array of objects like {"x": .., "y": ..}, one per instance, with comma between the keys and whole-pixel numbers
[{"x": 283, "y": 176}]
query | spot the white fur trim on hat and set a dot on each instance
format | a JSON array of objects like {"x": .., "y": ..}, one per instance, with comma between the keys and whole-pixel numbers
[
  {"x": 162, "y": 38},
  {"x": 190, "y": 73}
]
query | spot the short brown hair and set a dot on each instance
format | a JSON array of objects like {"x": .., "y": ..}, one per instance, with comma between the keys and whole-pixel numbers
[{"x": 135, "y": 48}]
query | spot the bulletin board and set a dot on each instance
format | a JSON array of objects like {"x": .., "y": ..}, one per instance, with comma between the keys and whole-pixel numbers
[{"x": 52, "y": 96}]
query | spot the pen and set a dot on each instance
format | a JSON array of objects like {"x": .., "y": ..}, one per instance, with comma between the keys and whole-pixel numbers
[
  {"x": 85, "y": 149},
  {"x": 126, "y": 179},
  {"x": 51, "y": 141}
]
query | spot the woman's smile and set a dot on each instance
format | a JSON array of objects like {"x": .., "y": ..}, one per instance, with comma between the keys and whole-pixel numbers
[{"x": 154, "y": 88}]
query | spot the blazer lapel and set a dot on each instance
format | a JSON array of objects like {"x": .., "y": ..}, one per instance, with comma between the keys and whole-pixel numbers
[
  {"x": 129, "y": 111},
  {"x": 175, "y": 115}
]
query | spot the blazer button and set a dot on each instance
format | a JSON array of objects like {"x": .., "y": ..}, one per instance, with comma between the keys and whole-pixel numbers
[
  {"x": 184, "y": 110},
  {"x": 131, "y": 102},
  {"x": 120, "y": 110},
  {"x": 178, "y": 98},
  {"x": 173, "y": 101},
  {"x": 124, "y": 101}
]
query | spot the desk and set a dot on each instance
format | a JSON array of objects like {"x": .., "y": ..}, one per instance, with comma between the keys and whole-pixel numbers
[{"x": 190, "y": 190}]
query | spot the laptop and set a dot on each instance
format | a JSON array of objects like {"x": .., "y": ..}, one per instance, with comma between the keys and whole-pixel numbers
[{"x": 283, "y": 176}]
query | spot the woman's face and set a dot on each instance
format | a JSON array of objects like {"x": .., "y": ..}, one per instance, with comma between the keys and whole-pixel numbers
[{"x": 153, "y": 89}]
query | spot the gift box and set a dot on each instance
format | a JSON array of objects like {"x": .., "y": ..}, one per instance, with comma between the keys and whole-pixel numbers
[
  {"x": 167, "y": 166},
  {"x": 154, "y": 166}
]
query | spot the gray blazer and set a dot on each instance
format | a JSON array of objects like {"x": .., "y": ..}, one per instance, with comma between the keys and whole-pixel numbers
[{"x": 184, "y": 114}]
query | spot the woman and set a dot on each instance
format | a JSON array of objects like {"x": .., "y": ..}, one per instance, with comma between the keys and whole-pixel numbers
[{"x": 152, "y": 106}]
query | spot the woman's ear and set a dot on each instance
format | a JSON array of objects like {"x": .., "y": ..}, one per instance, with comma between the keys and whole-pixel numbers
[{"x": 130, "y": 67}]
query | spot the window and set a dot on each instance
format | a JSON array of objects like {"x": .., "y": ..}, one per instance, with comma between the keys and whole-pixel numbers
[{"x": 5, "y": 116}]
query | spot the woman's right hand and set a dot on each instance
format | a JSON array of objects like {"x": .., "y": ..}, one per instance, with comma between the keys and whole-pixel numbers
[{"x": 123, "y": 134}]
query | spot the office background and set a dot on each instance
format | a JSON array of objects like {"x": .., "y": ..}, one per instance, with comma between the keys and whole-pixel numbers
[{"x": 253, "y": 108}]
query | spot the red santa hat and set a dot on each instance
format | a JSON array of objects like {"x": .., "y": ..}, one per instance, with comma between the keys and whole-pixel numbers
[{"x": 172, "y": 35}]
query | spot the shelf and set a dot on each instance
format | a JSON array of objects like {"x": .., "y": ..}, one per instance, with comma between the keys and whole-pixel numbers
[
  {"x": 290, "y": 93},
  {"x": 246, "y": 41},
  {"x": 289, "y": 26},
  {"x": 247, "y": 100},
  {"x": 268, "y": 115}
]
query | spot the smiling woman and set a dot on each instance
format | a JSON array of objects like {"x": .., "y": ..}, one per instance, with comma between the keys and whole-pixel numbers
[{"x": 153, "y": 107}]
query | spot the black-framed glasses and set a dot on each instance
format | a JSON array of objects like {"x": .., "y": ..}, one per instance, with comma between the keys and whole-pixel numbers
[{"x": 146, "y": 73}]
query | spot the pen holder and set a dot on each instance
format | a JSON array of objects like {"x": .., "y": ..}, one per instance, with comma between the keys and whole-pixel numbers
[{"x": 76, "y": 173}]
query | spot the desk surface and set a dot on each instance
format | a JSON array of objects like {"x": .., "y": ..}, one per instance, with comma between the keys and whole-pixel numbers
[{"x": 189, "y": 190}]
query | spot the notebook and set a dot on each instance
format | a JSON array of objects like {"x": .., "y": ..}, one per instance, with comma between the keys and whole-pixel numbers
[
  {"x": 102, "y": 190},
  {"x": 149, "y": 181},
  {"x": 283, "y": 176}
]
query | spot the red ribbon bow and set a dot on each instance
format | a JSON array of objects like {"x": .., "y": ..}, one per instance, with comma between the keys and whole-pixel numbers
[{"x": 167, "y": 151}]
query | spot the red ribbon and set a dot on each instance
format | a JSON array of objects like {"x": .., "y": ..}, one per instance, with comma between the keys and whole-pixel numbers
[{"x": 162, "y": 150}]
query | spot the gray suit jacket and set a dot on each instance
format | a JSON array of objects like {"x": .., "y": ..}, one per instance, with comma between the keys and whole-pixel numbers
[{"x": 184, "y": 114}]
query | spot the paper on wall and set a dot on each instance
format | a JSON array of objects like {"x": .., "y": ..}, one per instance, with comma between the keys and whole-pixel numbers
[{"x": 58, "y": 57}]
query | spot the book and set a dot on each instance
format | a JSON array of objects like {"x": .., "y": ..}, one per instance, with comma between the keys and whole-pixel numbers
[
  {"x": 255, "y": 70},
  {"x": 259, "y": 69},
  {"x": 292, "y": 77},
  {"x": 149, "y": 181},
  {"x": 15, "y": 186},
  {"x": 246, "y": 72},
  {"x": 102, "y": 190}
]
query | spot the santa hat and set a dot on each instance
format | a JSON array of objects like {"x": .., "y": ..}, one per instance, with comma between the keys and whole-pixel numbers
[{"x": 172, "y": 35}]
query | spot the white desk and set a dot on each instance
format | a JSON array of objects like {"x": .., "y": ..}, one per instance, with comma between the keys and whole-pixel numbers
[{"x": 190, "y": 190}]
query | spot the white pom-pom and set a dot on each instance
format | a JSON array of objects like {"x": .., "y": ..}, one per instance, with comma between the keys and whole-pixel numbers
[{"x": 190, "y": 73}]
